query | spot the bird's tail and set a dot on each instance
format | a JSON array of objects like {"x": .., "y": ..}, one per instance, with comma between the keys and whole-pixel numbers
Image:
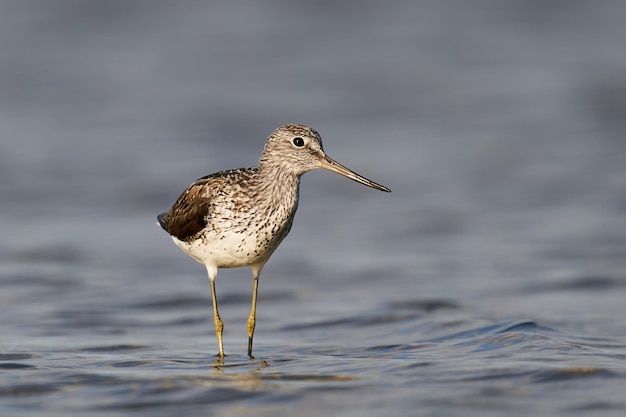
[{"x": 160, "y": 220}]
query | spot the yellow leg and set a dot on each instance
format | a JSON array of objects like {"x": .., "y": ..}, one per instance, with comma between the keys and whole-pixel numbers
[
  {"x": 219, "y": 325},
  {"x": 252, "y": 318}
]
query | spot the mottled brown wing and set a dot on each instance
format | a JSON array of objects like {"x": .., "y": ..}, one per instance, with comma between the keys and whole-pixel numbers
[{"x": 188, "y": 215}]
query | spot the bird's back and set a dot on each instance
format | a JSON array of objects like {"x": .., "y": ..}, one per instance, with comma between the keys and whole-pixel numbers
[
  {"x": 233, "y": 217},
  {"x": 203, "y": 201}
]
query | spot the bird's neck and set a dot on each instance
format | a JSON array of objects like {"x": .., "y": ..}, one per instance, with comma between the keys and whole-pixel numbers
[{"x": 279, "y": 185}]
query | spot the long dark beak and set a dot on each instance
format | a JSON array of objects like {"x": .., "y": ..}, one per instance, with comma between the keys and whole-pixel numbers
[{"x": 334, "y": 166}]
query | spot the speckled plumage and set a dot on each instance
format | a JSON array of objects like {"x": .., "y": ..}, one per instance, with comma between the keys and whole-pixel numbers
[
  {"x": 227, "y": 219},
  {"x": 239, "y": 217}
]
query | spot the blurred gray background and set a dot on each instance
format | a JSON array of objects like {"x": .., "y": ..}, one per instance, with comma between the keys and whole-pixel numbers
[
  {"x": 490, "y": 120},
  {"x": 500, "y": 126}
]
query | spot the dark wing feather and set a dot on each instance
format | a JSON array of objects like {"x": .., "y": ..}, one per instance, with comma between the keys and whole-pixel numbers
[
  {"x": 188, "y": 215},
  {"x": 191, "y": 211}
]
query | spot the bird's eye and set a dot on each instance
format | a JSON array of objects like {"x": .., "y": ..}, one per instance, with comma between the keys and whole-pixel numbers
[{"x": 298, "y": 142}]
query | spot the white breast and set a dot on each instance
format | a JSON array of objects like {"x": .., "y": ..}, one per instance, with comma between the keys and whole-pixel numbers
[{"x": 229, "y": 250}]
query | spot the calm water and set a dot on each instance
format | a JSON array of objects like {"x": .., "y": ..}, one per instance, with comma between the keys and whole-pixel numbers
[{"x": 492, "y": 281}]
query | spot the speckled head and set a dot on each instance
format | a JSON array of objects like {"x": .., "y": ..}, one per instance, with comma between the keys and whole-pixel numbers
[
  {"x": 297, "y": 149},
  {"x": 293, "y": 147}
]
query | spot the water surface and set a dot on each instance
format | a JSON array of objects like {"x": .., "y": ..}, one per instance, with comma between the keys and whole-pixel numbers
[{"x": 490, "y": 282}]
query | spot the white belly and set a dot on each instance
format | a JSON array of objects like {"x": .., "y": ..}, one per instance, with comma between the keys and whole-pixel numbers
[{"x": 230, "y": 251}]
